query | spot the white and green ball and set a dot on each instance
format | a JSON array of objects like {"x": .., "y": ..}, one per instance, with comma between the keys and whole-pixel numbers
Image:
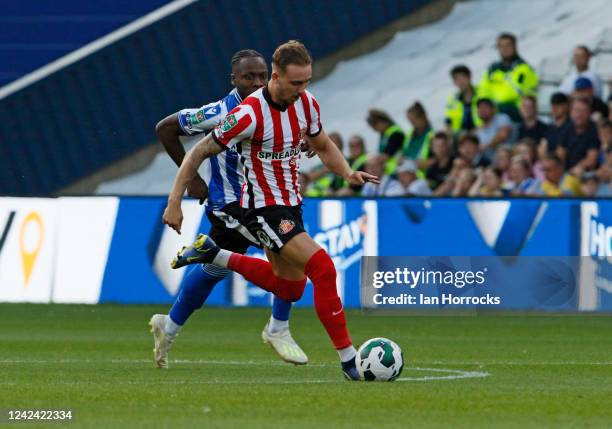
[{"x": 379, "y": 359}]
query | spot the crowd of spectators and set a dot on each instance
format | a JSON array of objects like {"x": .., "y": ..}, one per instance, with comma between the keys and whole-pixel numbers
[{"x": 493, "y": 144}]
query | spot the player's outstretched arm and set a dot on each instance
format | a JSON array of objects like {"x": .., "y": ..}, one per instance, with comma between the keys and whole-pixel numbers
[
  {"x": 205, "y": 148},
  {"x": 333, "y": 159}
]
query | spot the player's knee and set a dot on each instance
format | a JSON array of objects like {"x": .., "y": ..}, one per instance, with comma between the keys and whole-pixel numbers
[
  {"x": 292, "y": 291},
  {"x": 321, "y": 270}
]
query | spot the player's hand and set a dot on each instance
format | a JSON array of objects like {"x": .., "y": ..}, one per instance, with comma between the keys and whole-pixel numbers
[
  {"x": 361, "y": 177},
  {"x": 173, "y": 216},
  {"x": 198, "y": 189},
  {"x": 305, "y": 147}
]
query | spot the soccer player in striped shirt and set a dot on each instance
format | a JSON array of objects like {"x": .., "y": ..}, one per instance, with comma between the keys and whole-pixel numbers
[
  {"x": 268, "y": 129},
  {"x": 249, "y": 73}
]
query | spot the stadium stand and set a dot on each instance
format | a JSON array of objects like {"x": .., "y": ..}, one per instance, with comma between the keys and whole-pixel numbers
[{"x": 416, "y": 63}]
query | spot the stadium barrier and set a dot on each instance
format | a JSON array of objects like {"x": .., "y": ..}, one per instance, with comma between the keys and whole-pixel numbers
[{"x": 109, "y": 249}]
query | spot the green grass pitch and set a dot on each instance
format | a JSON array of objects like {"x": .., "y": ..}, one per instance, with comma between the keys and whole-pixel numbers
[{"x": 515, "y": 371}]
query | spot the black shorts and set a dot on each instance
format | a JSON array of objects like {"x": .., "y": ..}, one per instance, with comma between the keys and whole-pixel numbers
[
  {"x": 274, "y": 226},
  {"x": 227, "y": 229}
]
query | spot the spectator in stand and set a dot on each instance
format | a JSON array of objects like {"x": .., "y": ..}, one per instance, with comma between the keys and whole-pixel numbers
[
  {"x": 530, "y": 125},
  {"x": 503, "y": 154},
  {"x": 579, "y": 144},
  {"x": 407, "y": 176},
  {"x": 556, "y": 182},
  {"x": 582, "y": 55},
  {"x": 559, "y": 111},
  {"x": 418, "y": 140},
  {"x": 388, "y": 186},
  {"x": 496, "y": 128},
  {"x": 526, "y": 148},
  {"x": 488, "y": 184},
  {"x": 392, "y": 137},
  {"x": 590, "y": 185},
  {"x": 461, "y": 112},
  {"x": 508, "y": 80},
  {"x": 604, "y": 172},
  {"x": 521, "y": 182},
  {"x": 465, "y": 180},
  {"x": 584, "y": 89},
  {"x": 322, "y": 182},
  {"x": 357, "y": 159},
  {"x": 470, "y": 158},
  {"x": 441, "y": 161}
]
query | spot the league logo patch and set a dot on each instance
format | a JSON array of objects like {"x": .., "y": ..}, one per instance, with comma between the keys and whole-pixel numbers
[
  {"x": 285, "y": 226},
  {"x": 200, "y": 116},
  {"x": 229, "y": 123}
]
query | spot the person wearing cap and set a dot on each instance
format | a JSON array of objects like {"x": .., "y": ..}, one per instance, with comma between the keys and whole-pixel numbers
[
  {"x": 407, "y": 176},
  {"x": 583, "y": 88},
  {"x": 559, "y": 111},
  {"x": 508, "y": 80},
  {"x": 461, "y": 112},
  {"x": 582, "y": 56}
]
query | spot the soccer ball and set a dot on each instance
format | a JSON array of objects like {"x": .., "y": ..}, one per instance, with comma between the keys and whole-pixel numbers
[{"x": 379, "y": 359}]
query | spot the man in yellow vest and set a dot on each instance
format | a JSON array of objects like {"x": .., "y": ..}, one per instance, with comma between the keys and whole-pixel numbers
[
  {"x": 461, "y": 111},
  {"x": 508, "y": 80}
]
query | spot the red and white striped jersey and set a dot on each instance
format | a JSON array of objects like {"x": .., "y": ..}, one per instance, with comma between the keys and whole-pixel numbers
[{"x": 269, "y": 138}]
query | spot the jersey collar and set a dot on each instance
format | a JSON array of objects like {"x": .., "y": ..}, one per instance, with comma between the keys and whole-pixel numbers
[{"x": 269, "y": 100}]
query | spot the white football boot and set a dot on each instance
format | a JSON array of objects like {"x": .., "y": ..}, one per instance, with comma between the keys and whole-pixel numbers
[
  {"x": 283, "y": 343},
  {"x": 162, "y": 340}
]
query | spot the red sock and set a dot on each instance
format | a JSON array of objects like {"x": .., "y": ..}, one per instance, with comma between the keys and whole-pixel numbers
[
  {"x": 260, "y": 272},
  {"x": 320, "y": 269}
]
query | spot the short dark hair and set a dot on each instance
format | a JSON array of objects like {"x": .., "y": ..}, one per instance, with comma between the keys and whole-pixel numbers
[
  {"x": 291, "y": 52},
  {"x": 375, "y": 115},
  {"x": 461, "y": 69},
  {"x": 583, "y": 100},
  {"x": 485, "y": 100},
  {"x": 559, "y": 98},
  {"x": 531, "y": 98},
  {"x": 586, "y": 49},
  {"x": 507, "y": 36},
  {"x": 468, "y": 137},
  {"x": 441, "y": 135},
  {"x": 245, "y": 53},
  {"x": 554, "y": 158}
]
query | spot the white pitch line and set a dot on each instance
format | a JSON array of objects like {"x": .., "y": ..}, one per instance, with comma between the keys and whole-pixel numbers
[{"x": 278, "y": 363}]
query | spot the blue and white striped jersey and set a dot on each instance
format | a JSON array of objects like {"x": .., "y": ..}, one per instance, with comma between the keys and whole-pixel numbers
[{"x": 225, "y": 182}]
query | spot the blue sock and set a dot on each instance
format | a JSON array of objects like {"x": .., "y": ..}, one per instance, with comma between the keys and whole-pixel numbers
[
  {"x": 197, "y": 285},
  {"x": 280, "y": 309}
]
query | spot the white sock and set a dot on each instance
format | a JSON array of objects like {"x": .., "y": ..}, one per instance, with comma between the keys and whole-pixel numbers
[
  {"x": 172, "y": 328},
  {"x": 347, "y": 353},
  {"x": 276, "y": 325},
  {"x": 222, "y": 258}
]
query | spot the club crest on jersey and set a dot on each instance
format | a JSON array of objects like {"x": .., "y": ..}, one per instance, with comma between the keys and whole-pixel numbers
[
  {"x": 229, "y": 123},
  {"x": 285, "y": 226}
]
